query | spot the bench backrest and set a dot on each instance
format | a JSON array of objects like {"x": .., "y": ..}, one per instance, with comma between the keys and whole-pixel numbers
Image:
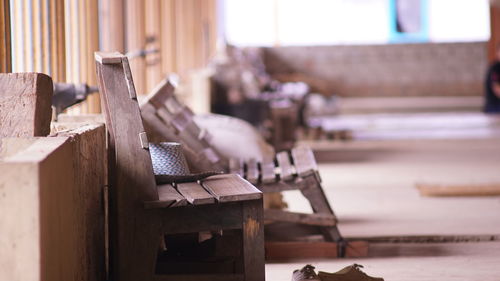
[
  {"x": 131, "y": 171},
  {"x": 168, "y": 117},
  {"x": 25, "y": 104}
]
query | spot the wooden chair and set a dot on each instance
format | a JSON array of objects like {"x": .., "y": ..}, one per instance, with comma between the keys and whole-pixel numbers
[
  {"x": 142, "y": 212},
  {"x": 287, "y": 170}
]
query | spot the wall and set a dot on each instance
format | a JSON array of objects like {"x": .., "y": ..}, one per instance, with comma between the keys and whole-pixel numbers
[{"x": 439, "y": 69}]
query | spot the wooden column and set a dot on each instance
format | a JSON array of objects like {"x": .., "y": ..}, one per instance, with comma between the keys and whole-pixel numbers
[
  {"x": 153, "y": 34},
  {"x": 168, "y": 37},
  {"x": 136, "y": 41},
  {"x": 5, "y": 48},
  {"x": 57, "y": 41},
  {"x": 89, "y": 13},
  {"x": 112, "y": 25}
]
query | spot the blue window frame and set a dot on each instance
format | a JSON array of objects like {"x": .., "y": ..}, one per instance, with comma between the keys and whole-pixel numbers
[{"x": 409, "y": 21}]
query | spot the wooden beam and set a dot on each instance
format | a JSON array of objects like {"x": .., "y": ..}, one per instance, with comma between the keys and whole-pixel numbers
[
  {"x": 303, "y": 250},
  {"x": 442, "y": 190}
]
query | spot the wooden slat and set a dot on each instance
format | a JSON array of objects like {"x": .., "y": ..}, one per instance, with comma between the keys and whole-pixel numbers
[
  {"x": 5, "y": 38},
  {"x": 168, "y": 197},
  {"x": 230, "y": 188},
  {"x": 267, "y": 171},
  {"x": 285, "y": 166},
  {"x": 195, "y": 194},
  {"x": 159, "y": 95},
  {"x": 180, "y": 121},
  {"x": 252, "y": 174},
  {"x": 304, "y": 161},
  {"x": 173, "y": 105},
  {"x": 301, "y": 218}
]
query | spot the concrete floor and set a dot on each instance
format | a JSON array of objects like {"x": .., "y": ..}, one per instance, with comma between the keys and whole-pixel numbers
[{"x": 371, "y": 186}]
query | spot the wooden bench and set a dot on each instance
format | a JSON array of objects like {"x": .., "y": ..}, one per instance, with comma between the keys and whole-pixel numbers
[
  {"x": 142, "y": 213},
  {"x": 295, "y": 169}
]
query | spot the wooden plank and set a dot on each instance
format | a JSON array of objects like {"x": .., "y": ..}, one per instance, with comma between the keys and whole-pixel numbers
[
  {"x": 230, "y": 188},
  {"x": 54, "y": 188},
  {"x": 447, "y": 190},
  {"x": 11, "y": 146},
  {"x": 285, "y": 166},
  {"x": 306, "y": 250},
  {"x": 252, "y": 171},
  {"x": 34, "y": 228},
  {"x": 168, "y": 197},
  {"x": 267, "y": 171},
  {"x": 25, "y": 104},
  {"x": 195, "y": 194},
  {"x": 159, "y": 95},
  {"x": 301, "y": 218},
  {"x": 304, "y": 161},
  {"x": 210, "y": 217}
]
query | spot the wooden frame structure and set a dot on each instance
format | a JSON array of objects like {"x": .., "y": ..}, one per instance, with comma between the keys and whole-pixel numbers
[{"x": 170, "y": 120}]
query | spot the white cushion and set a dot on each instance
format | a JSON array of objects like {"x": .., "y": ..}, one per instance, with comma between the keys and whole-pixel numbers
[{"x": 235, "y": 138}]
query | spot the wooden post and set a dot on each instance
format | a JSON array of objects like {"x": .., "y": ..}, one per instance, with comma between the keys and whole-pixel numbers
[
  {"x": 112, "y": 25},
  {"x": 168, "y": 37},
  {"x": 58, "y": 41},
  {"x": 136, "y": 40},
  {"x": 5, "y": 48},
  {"x": 153, "y": 33}
]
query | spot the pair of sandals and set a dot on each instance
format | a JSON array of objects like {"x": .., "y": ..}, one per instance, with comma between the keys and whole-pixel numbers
[{"x": 349, "y": 273}]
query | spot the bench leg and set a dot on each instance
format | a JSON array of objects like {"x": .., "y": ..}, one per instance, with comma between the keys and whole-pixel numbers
[
  {"x": 135, "y": 253},
  {"x": 319, "y": 203},
  {"x": 253, "y": 241}
]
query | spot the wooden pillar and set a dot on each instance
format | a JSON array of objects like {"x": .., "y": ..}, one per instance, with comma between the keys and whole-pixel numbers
[
  {"x": 82, "y": 40},
  {"x": 112, "y": 25},
  {"x": 5, "y": 47},
  {"x": 136, "y": 41},
  {"x": 153, "y": 34},
  {"x": 91, "y": 40},
  {"x": 168, "y": 37},
  {"x": 495, "y": 31},
  {"x": 57, "y": 41}
]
